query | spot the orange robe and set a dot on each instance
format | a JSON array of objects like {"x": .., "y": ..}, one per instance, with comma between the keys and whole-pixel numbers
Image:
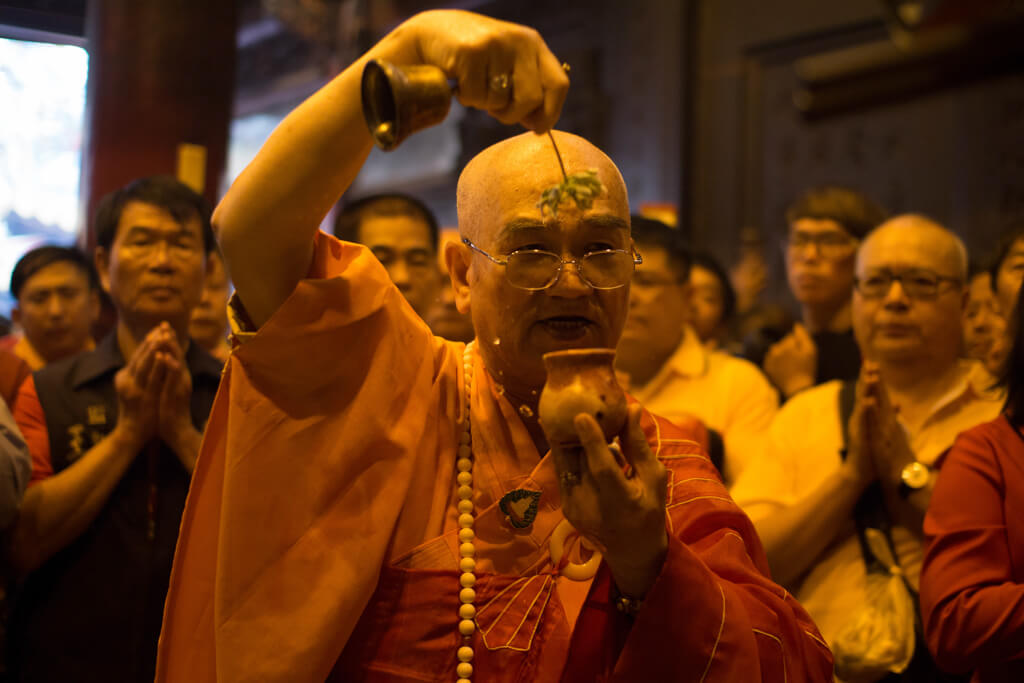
[{"x": 320, "y": 531}]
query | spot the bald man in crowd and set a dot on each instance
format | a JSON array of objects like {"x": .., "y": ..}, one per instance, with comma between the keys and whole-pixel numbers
[
  {"x": 374, "y": 502},
  {"x": 843, "y": 456}
]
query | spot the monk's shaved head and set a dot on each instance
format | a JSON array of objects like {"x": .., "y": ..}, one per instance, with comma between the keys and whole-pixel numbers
[
  {"x": 508, "y": 174},
  {"x": 943, "y": 250},
  {"x": 498, "y": 197}
]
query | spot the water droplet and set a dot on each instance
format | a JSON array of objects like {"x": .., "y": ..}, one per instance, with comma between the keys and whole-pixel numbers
[
  {"x": 525, "y": 411},
  {"x": 497, "y": 341},
  {"x": 500, "y": 389}
]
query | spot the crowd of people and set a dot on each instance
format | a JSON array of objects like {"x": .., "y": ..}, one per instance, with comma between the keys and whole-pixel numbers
[{"x": 358, "y": 486}]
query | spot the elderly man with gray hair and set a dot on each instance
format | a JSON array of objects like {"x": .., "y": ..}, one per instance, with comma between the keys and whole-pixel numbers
[{"x": 840, "y": 495}]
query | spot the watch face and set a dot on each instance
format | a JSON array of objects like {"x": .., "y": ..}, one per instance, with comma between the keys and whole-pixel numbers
[{"x": 915, "y": 475}]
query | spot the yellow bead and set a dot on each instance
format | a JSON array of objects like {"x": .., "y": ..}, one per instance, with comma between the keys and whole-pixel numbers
[
  {"x": 467, "y": 550},
  {"x": 464, "y": 479},
  {"x": 463, "y": 680},
  {"x": 465, "y": 654},
  {"x": 466, "y": 535},
  {"x": 464, "y": 670},
  {"x": 467, "y": 627},
  {"x": 467, "y": 595},
  {"x": 465, "y": 492},
  {"x": 465, "y": 451},
  {"x": 465, "y": 505},
  {"x": 464, "y": 464},
  {"x": 464, "y": 439},
  {"x": 467, "y": 611},
  {"x": 468, "y": 580},
  {"x": 466, "y": 520},
  {"x": 467, "y": 564}
]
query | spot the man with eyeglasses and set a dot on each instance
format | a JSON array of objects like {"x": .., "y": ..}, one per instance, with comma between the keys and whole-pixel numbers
[
  {"x": 669, "y": 369},
  {"x": 844, "y": 455},
  {"x": 825, "y": 225},
  {"x": 375, "y": 503},
  {"x": 114, "y": 434}
]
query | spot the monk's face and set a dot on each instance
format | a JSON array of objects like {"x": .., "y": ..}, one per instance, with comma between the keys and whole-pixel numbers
[{"x": 499, "y": 213}]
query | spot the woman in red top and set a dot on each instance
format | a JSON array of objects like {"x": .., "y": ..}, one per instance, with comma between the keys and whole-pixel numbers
[{"x": 972, "y": 582}]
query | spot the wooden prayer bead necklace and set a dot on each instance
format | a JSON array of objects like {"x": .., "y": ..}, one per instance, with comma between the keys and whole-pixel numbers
[{"x": 464, "y": 464}]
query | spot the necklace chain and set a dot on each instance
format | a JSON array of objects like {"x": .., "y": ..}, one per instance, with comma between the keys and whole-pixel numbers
[{"x": 467, "y": 549}]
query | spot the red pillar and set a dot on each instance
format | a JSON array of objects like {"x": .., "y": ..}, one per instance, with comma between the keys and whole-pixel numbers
[{"x": 161, "y": 74}]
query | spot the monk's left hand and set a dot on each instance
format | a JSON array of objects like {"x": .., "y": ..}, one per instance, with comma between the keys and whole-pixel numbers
[{"x": 621, "y": 510}]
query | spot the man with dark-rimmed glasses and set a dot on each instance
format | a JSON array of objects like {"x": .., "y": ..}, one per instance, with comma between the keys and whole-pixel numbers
[
  {"x": 844, "y": 455},
  {"x": 824, "y": 227}
]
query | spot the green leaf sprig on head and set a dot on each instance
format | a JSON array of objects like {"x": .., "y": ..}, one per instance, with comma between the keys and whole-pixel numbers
[{"x": 582, "y": 188}]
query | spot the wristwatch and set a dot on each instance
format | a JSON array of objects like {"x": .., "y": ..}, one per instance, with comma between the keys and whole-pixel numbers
[{"x": 914, "y": 477}]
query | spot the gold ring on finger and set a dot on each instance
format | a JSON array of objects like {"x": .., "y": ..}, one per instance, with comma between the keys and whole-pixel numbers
[{"x": 500, "y": 83}]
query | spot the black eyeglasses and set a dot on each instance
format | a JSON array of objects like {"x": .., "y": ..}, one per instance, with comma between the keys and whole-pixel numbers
[
  {"x": 534, "y": 270},
  {"x": 918, "y": 283},
  {"x": 831, "y": 245}
]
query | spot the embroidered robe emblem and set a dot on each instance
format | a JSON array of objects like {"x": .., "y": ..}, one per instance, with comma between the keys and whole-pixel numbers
[{"x": 520, "y": 507}]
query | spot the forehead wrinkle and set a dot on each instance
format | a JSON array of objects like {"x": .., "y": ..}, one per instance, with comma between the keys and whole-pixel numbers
[{"x": 525, "y": 224}]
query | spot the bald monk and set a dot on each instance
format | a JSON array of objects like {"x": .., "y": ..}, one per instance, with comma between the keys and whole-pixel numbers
[{"x": 375, "y": 503}]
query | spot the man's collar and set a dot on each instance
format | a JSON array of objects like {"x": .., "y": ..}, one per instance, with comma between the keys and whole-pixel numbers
[
  {"x": 106, "y": 357},
  {"x": 690, "y": 358},
  {"x": 973, "y": 382}
]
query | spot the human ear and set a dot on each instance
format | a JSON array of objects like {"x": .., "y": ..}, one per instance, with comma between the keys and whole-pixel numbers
[
  {"x": 101, "y": 259},
  {"x": 457, "y": 257}
]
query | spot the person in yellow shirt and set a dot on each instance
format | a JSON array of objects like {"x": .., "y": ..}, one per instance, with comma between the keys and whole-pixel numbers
[
  {"x": 672, "y": 373},
  {"x": 828, "y": 468}
]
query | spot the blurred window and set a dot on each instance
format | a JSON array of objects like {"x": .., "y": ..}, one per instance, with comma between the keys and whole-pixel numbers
[{"x": 42, "y": 88}]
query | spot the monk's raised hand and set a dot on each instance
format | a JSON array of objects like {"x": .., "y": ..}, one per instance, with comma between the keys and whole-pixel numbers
[
  {"x": 503, "y": 68},
  {"x": 620, "y": 506}
]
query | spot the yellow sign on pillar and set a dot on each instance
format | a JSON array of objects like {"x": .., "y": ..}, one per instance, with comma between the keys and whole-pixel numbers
[{"x": 192, "y": 166}]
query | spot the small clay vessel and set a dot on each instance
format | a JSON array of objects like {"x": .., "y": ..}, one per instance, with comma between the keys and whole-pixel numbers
[{"x": 580, "y": 381}]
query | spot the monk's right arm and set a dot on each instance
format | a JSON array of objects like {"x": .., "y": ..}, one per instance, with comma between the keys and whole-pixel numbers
[{"x": 267, "y": 220}]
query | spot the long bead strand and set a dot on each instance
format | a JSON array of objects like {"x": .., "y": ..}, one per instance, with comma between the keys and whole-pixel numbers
[{"x": 467, "y": 549}]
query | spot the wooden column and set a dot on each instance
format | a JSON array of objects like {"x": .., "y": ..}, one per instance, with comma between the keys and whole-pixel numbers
[{"x": 161, "y": 74}]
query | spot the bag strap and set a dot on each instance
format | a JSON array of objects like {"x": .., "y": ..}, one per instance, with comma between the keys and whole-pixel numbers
[{"x": 870, "y": 513}]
